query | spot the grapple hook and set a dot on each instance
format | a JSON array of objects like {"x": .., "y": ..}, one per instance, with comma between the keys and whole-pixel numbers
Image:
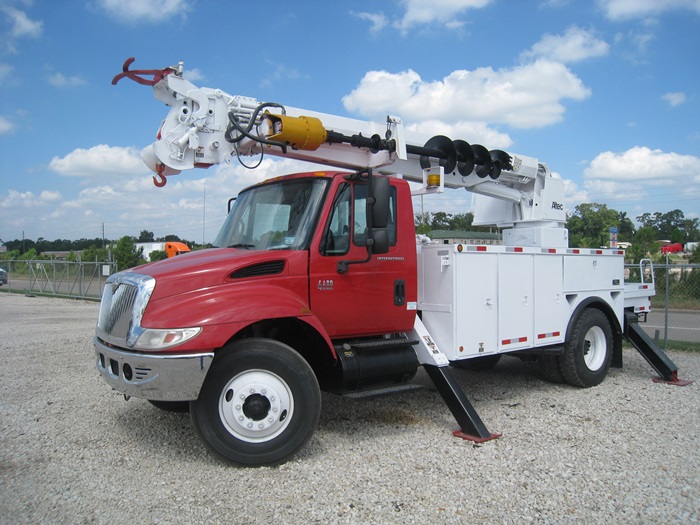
[{"x": 134, "y": 74}]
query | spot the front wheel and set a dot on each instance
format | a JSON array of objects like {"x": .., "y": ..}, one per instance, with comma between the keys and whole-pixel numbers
[
  {"x": 259, "y": 405},
  {"x": 588, "y": 353}
]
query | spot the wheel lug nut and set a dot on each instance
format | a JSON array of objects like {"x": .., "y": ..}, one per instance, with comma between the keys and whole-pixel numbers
[
  {"x": 250, "y": 425},
  {"x": 238, "y": 407}
]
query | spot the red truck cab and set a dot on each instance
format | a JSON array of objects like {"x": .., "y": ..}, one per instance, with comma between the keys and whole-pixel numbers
[{"x": 304, "y": 275}]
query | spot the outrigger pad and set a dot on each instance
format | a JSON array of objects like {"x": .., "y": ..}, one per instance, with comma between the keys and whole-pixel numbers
[
  {"x": 475, "y": 439},
  {"x": 675, "y": 381}
]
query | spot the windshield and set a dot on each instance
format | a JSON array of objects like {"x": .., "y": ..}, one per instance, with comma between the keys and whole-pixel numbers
[{"x": 276, "y": 216}]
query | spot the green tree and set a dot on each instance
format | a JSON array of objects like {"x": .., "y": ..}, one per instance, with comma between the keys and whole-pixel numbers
[
  {"x": 462, "y": 221},
  {"x": 158, "y": 255},
  {"x": 625, "y": 227},
  {"x": 589, "y": 226},
  {"x": 93, "y": 253},
  {"x": 644, "y": 245},
  {"x": 145, "y": 236},
  {"x": 126, "y": 255},
  {"x": 440, "y": 221}
]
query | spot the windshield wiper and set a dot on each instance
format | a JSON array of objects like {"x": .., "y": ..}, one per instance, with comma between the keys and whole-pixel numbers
[{"x": 242, "y": 245}]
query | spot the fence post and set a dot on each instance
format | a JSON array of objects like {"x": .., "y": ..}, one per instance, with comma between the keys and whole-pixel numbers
[{"x": 666, "y": 306}]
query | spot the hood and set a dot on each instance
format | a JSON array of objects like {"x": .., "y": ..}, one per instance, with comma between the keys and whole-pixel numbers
[{"x": 217, "y": 266}]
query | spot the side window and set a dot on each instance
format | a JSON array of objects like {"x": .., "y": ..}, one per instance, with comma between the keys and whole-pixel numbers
[
  {"x": 336, "y": 238},
  {"x": 360, "y": 216}
]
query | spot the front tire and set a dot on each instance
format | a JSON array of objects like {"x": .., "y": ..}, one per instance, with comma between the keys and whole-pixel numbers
[
  {"x": 259, "y": 405},
  {"x": 588, "y": 353}
]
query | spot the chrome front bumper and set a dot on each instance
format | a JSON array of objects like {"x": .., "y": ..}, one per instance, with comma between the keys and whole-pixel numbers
[{"x": 160, "y": 377}]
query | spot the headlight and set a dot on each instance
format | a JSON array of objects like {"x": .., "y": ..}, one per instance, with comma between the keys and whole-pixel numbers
[{"x": 157, "y": 339}]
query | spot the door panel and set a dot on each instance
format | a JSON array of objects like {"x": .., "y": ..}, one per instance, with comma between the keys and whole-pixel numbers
[{"x": 363, "y": 300}]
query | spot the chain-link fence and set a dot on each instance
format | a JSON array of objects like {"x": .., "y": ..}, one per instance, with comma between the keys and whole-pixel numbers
[
  {"x": 60, "y": 278},
  {"x": 675, "y": 318},
  {"x": 673, "y": 323}
]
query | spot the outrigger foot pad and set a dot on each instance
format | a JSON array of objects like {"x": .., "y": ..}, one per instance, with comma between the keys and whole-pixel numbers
[
  {"x": 475, "y": 439},
  {"x": 674, "y": 381}
]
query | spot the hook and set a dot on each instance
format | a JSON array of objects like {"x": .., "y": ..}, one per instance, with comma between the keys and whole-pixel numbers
[{"x": 161, "y": 180}]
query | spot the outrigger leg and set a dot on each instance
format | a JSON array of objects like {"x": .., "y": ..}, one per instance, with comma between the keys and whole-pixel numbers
[
  {"x": 654, "y": 355},
  {"x": 438, "y": 368}
]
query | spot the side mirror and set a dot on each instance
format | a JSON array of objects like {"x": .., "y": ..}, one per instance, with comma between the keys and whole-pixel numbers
[
  {"x": 381, "y": 241},
  {"x": 381, "y": 190}
]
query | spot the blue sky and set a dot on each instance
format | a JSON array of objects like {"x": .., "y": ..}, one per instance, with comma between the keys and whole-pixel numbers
[{"x": 606, "y": 92}]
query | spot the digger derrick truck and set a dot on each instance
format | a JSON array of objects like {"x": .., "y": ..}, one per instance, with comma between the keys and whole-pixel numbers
[{"x": 316, "y": 281}]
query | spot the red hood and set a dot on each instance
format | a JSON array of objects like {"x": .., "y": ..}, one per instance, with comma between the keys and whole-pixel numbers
[{"x": 213, "y": 267}]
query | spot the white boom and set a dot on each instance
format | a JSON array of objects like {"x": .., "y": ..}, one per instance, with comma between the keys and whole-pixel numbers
[{"x": 209, "y": 126}]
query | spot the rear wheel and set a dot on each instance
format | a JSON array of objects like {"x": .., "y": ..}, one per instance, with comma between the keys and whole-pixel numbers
[
  {"x": 588, "y": 352},
  {"x": 259, "y": 405}
]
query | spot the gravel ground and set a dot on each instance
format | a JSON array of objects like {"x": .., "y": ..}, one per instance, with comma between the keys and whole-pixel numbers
[{"x": 73, "y": 451}]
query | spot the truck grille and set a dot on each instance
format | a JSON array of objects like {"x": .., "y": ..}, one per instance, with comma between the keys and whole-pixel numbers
[{"x": 124, "y": 299}]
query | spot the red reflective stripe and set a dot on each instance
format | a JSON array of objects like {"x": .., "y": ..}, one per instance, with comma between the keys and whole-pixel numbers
[
  {"x": 515, "y": 340},
  {"x": 548, "y": 334},
  {"x": 481, "y": 248}
]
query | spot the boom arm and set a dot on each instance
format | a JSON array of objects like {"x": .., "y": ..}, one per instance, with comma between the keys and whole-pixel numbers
[{"x": 209, "y": 126}]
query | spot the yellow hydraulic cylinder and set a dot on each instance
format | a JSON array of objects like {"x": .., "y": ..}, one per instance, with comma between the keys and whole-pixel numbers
[{"x": 305, "y": 133}]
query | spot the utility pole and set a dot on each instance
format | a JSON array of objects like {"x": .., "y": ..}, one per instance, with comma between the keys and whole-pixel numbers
[{"x": 103, "y": 235}]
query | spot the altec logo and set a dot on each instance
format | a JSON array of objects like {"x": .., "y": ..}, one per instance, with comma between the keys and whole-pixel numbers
[{"x": 557, "y": 206}]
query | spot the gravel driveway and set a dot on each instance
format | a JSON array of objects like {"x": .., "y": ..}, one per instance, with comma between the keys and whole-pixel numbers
[{"x": 73, "y": 451}]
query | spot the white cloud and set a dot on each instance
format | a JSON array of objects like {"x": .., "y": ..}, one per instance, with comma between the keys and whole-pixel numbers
[
  {"x": 49, "y": 196},
  {"x": 138, "y": 11},
  {"x": 638, "y": 172},
  {"x": 444, "y": 12},
  {"x": 527, "y": 96},
  {"x": 628, "y": 9},
  {"x": 643, "y": 164},
  {"x": 574, "y": 45},
  {"x": 472, "y": 132},
  {"x": 99, "y": 160},
  {"x": 60, "y": 80},
  {"x": 21, "y": 26},
  {"x": 193, "y": 75},
  {"x": 675, "y": 98},
  {"x": 20, "y": 200},
  {"x": 6, "y": 125},
  {"x": 378, "y": 21}
]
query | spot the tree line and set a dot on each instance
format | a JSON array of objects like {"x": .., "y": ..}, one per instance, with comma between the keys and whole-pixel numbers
[
  {"x": 589, "y": 227},
  {"x": 123, "y": 251}
]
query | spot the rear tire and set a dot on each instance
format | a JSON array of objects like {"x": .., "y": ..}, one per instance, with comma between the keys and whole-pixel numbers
[
  {"x": 259, "y": 405},
  {"x": 588, "y": 352}
]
